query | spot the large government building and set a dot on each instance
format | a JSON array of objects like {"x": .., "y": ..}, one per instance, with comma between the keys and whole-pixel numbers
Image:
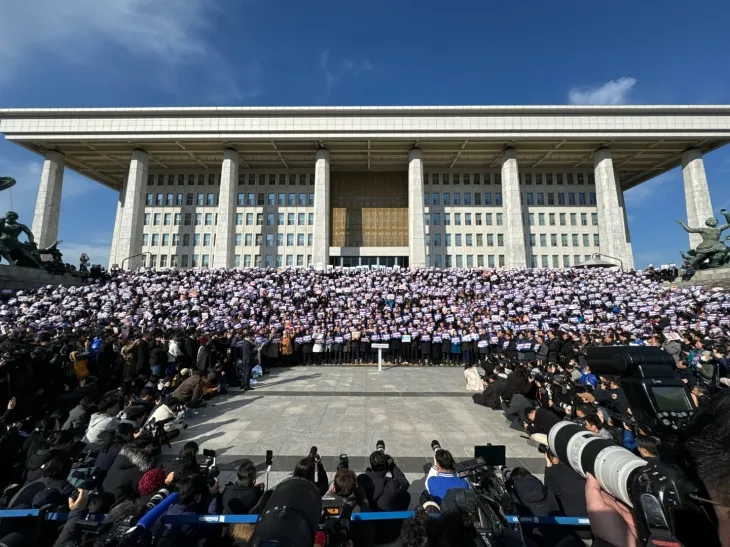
[{"x": 439, "y": 186}]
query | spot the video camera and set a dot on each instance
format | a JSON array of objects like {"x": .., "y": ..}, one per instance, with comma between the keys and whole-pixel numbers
[
  {"x": 663, "y": 499},
  {"x": 487, "y": 501}
]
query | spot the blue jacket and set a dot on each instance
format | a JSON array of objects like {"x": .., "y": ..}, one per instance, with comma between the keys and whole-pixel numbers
[
  {"x": 588, "y": 379},
  {"x": 629, "y": 440},
  {"x": 438, "y": 484}
]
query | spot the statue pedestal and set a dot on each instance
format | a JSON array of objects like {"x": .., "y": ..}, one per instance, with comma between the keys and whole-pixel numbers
[
  {"x": 16, "y": 278},
  {"x": 717, "y": 277}
]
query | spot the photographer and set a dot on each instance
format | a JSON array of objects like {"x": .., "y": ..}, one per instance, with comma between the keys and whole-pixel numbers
[
  {"x": 196, "y": 497},
  {"x": 540, "y": 420},
  {"x": 104, "y": 422},
  {"x": 243, "y": 495},
  {"x": 594, "y": 424},
  {"x": 568, "y": 487},
  {"x": 345, "y": 490},
  {"x": 311, "y": 468},
  {"x": 191, "y": 390},
  {"x": 442, "y": 476},
  {"x": 385, "y": 493}
]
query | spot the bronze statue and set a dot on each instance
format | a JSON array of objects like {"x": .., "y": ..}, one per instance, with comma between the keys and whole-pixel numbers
[{"x": 711, "y": 248}]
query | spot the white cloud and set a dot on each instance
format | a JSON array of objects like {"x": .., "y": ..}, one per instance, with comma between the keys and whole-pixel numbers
[
  {"x": 345, "y": 69},
  {"x": 613, "y": 92},
  {"x": 167, "y": 34}
]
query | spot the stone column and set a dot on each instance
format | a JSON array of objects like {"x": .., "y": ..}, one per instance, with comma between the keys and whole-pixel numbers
[
  {"x": 117, "y": 227},
  {"x": 48, "y": 203},
  {"x": 224, "y": 231},
  {"x": 611, "y": 225},
  {"x": 131, "y": 225},
  {"x": 416, "y": 226},
  {"x": 514, "y": 226},
  {"x": 321, "y": 229},
  {"x": 696, "y": 193},
  {"x": 628, "y": 249}
]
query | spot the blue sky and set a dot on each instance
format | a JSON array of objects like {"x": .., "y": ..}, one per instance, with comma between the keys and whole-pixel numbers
[{"x": 282, "y": 52}]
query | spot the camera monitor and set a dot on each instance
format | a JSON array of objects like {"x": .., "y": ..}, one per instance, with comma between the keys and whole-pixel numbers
[
  {"x": 671, "y": 398},
  {"x": 495, "y": 455}
]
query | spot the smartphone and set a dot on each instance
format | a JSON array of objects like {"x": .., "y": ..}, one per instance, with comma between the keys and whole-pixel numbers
[
  {"x": 494, "y": 455},
  {"x": 269, "y": 457}
]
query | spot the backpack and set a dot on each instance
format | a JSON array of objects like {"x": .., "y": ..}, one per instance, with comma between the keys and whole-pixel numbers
[{"x": 286, "y": 348}]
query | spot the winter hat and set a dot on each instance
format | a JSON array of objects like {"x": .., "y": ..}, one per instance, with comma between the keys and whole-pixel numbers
[{"x": 151, "y": 481}]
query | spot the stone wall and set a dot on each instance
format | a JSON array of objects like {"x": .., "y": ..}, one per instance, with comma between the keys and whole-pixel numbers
[{"x": 15, "y": 278}]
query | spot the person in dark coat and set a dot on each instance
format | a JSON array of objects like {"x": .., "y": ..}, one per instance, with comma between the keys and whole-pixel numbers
[
  {"x": 425, "y": 343},
  {"x": 385, "y": 493},
  {"x": 243, "y": 357},
  {"x": 143, "y": 354},
  {"x": 243, "y": 495},
  {"x": 569, "y": 488},
  {"x": 192, "y": 389},
  {"x": 205, "y": 359},
  {"x": 123, "y": 477},
  {"x": 566, "y": 350},
  {"x": 541, "y": 420},
  {"x": 533, "y": 499},
  {"x": 492, "y": 395},
  {"x": 54, "y": 476},
  {"x": 553, "y": 345},
  {"x": 158, "y": 357},
  {"x": 517, "y": 382}
]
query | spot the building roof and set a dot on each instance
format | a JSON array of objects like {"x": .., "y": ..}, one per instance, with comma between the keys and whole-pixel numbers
[{"x": 97, "y": 142}]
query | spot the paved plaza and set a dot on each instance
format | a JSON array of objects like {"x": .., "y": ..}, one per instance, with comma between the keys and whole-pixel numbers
[{"x": 346, "y": 410}]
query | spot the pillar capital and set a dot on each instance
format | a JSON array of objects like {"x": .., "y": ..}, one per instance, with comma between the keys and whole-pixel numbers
[
  {"x": 322, "y": 154},
  {"x": 603, "y": 153},
  {"x": 415, "y": 154}
]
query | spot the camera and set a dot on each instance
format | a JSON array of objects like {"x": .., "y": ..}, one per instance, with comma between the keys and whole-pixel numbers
[
  {"x": 344, "y": 462},
  {"x": 85, "y": 478},
  {"x": 380, "y": 446},
  {"x": 208, "y": 468},
  {"x": 435, "y": 445},
  {"x": 157, "y": 498},
  {"x": 314, "y": 454},
  {"x": 664, "y": 500}
]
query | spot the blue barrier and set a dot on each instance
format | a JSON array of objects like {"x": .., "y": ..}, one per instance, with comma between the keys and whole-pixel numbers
[{"x": 252, "y": 519}]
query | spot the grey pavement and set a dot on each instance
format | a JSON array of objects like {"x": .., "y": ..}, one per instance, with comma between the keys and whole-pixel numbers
[{"x": 347, "y": 410}]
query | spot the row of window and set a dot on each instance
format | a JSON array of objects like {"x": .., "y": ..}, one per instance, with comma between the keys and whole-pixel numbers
[
  {"x": 563, "y": 219},
  {"x": 270, "y": 240},
  {"x": 471, "y": 240},
  {"x": 210, "y": 199},
  {"x": 574, "y": 238},
  {"x": 203, "y": 260},
  {"x": 208, "y": 219},
  {"x": 434, "y": 219},
  {"x": 211, "y": 179},
  {"x": 493, "y": 261},
  {"x": 434, "y": 261},
  {"x": 496, "y": 178},
  {"x": 528, "y": 198}
]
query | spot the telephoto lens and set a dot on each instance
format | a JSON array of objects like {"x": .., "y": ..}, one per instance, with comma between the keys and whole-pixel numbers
[
  {"x": 435, "y": 445},
  {"x": 380, "y": 446},
  {"x": 344, "y": 462},
  {"x": 613, "y": 466},
  {"x": 157, "y": 498},
  {"x": 314, "y": 453}
]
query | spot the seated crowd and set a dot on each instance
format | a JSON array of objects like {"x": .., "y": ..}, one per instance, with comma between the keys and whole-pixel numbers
[{"x": 90, "y": 371}]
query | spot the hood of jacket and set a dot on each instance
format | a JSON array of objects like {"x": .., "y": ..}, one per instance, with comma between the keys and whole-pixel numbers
[
  {"x": 135, "y": 458},
  {"x": 531, "y": 490}
]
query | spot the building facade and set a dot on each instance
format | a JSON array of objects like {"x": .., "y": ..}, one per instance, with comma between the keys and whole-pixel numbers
[{"x": 502, "y": 187}]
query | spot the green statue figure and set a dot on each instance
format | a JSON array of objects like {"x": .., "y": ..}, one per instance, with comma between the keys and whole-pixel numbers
[{"x": 711, "y": 248}]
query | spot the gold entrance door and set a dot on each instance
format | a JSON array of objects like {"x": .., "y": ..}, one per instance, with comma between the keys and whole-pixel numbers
[{"x": 369, "y": 209}]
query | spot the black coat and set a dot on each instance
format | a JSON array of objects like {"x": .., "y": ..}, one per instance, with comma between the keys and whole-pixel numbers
[
  {"x": 494, "y": 392},
  {"x": 517, "y": 383},
  {"x": 382, "y": 492},
  {"x": 123, "y": 477},
  {"x": 569, "y": 488},
  {"x": 143, "y": 355},
  {"x": 544, "y": 421},
  {"x": 534, "y": 499},
  {"x": 239, "y": 500},
  {"x": 553, "y": 350},
  {"x": 567, "y": 349},
  {"x": 385, "y": 493}
]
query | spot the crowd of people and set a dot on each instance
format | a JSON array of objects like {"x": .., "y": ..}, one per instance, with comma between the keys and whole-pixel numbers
[{"x": 89, "y": 371}]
